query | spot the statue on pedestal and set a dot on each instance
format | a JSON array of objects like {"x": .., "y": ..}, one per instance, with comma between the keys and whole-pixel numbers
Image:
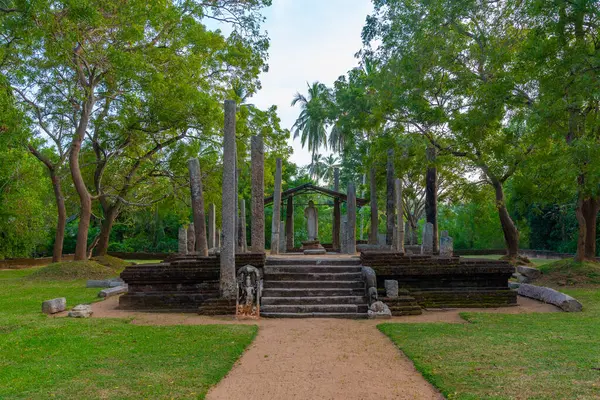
[{"x": 312, "y": 221}]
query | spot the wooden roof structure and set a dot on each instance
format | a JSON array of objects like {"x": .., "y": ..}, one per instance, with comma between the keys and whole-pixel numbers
[{"x": 310, "y": 188}]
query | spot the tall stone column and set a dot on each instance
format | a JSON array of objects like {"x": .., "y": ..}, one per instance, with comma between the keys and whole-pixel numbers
[
  {"x": 238, "y": 243},
  {"x": 399, "y": 237},
  {"x": 257, "y": 226},
  {"x": 218, "y": 239},
  {"x": 351, "y": 248},
  {"x": 337, "y": 214},
  {"x": 276, "y": 209},
  {"x": 242, "y": 227},
  {"x": 374, "y": 212},
  {"x": 389, "y": 209},
  {"x": 289, "y": 223},
  {"x": 198, "y": 206},
  {"x": 282, "y": 243},
  {"x": 182, "y": 240},
  {"x": 227, "y": 258},
  {"x": 361, "y": 229},
  {"x": 431, "y": 195},
  {"x": 191, "y": 238},
  {"x": 212, "y": 226}
]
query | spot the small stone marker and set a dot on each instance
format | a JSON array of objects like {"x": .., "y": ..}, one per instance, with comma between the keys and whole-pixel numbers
[
  {"x": 191, "y": 239},
  {"x": 391, "y": 288},
  {"x": 54, "y": 306},
  {"x": 81, "y": 311},
  {"x": 446, "y": 245},
  {"x": 182, "y": 240},
  {"x": 427, "y": 244},
  {"x": 379, "y": 310}
]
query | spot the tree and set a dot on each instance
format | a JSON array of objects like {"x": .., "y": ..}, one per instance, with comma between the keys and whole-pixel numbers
[
  {"x": 99, "y": 64},
  {"x": 311, "y": 124}
]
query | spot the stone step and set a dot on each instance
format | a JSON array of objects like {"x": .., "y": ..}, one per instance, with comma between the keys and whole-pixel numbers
[
  {"x": 312, "y": 261},
  {"x": 313, "y": 300},
  {"x": 313, "y": 315},
  {"x": 290, "y": 276},
  {"x": 314, "y": 308},
  {"x": 312, "y": 269},
  {"x": 312, "y": 292},
  {"x": 312, "y": 284}
]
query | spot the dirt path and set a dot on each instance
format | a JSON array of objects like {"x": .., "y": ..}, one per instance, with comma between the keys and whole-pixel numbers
[{"x": 322, "y": 359}]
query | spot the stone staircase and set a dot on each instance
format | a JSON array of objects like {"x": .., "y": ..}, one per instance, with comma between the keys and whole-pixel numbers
[{"x": 313, "y": 287}]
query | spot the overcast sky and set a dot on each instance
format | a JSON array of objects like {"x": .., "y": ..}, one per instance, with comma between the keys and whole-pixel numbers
[{"x": 311, "y": 40}]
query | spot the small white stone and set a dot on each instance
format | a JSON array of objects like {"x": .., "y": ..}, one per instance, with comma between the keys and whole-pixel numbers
[{"x": 81, "y": 311}]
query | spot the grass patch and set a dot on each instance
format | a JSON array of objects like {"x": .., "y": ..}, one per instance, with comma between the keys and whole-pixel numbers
[
  {"x": 43, "y": 357},
  {"x": 112, "y": 262},
  {"x": 568, "y": 272},
  {"x": 501, "y": 356},
  {"x": 72, "y": 270}
]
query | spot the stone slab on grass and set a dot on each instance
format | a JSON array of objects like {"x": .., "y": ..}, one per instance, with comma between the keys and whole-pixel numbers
[
  {"x": 114, "y": 291},
  {"x": 550, "y": 296},
  {"x": 104, "y": 283},
  {"x": 54, "y": 306},
  {"x": 81, "y": 311},
  {"x": 529, "y": 272}
]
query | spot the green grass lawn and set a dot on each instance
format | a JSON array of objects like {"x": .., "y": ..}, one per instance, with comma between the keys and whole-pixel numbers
[
  {"x": 65, "y": 358},
  {"x": 501, "y": 356}
]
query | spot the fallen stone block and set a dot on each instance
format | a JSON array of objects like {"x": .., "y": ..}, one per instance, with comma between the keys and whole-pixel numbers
[
  {"x": 54, "y": 306},
  {"x": 550, "y": 296},
  {"x": 531, "y": 273},
  {"x": 104, "y": 283},
  {"x": 81, "y": 311},
  {"x": 513, "y": 285},
  {"x": 113, "y": 291},
  {"x": 379, "y": 310},
  {"x": 522, "y": 278}
]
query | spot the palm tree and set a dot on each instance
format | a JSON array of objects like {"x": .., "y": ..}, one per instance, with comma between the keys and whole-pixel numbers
[
  {"x": 329, "y": 165},
  {"x": 316, "y": 167},
  {"x": 311, "y": 123}
]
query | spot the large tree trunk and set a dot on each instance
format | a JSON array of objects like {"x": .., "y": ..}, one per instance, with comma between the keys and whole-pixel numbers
[
  {"x": 110, "y": 215},
  {"x": 511, "y": 234},
  {"x": 85, "y": 199},
  {"x": 62, "y": 218},
  {"x": 587, "y": 218}
]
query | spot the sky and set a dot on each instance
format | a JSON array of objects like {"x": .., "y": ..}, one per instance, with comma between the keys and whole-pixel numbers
[{"x": 311, "y": 40}]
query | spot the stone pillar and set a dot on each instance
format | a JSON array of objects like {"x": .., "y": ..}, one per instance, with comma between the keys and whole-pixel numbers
[
  {"x": 238, "y": 242},
  {"x": 427, "y": 244},
  {"x": 373, "y": 239},
  {"x": 257, "y": 222},
  {"x": 242, "y": 227},
  {"x": 336, "y": 229},
  {"x": 344, "y": 235},
  {"x": 182, "y": 240},
  {"x": 351, "y": 219},
  {"x": 431, "y": 195},
  {"x": 282, "y": 242},
  {"x": 289, "y": 223},
  {"x": 399, "y": 237},
  {"x": 389, "y": 209},
  {"x": 212, "y": 226},
  {"x": 218, "y": 239},
  {"x": 198, "y": 206},
  {"x": 227, "y": 259},
  {"x": 361, "y": 229},
  {"x": 276, "y": 210},
  {"x": 446, "y": 245},
  {"x": 191, "y": 238}
]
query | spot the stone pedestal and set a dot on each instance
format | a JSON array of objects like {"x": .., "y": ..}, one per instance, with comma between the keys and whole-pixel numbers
[{"x": 313, "y": 247}]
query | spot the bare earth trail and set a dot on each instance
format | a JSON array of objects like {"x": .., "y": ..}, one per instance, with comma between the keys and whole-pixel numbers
[{"x": 318, "y": 358}]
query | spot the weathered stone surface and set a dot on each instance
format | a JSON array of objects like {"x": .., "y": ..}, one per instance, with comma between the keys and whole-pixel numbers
[
  {"x": 81, "y": 311},
  {"x": 351, "y": 206},
  {"x": 104, "y": 283},
  {"x": 529, "y": 272},
  {"x": 378, "y": 310},
  {"x": 337, "y": 214},
  {"x": 522, "y": 278},
  {"x": 389, "y": 209},
  {"x": 276, "y": 209},
  {"x": 370, "y": 247},
  {"x": 289, "y": 224},
  {"x": 228, "y": 285},
  {"x": 191, "y": 238},
  {"x": 314, "y": 252},
  {"x": 212, "y": 226},
  {"x": 550, "y": 296},
  {"x": 431, "y": 194},
  {"x": 282, "y": 241},
  {"x": 373, "y": 234},
  {"x": 257, "y": 203},
  {"x": 183, "y": 246},
  {"x": 54, "y": 306},
  {"x": 344, "y": 235},
  {"x": 113, "y": 291},
  {"x": 513, "y": 285},
  {"x": 391, "y": 288},
  {"x": 218, "y": 239},
  {"x": 427, "y": 243},
  {"x": 399, "y": 236},
  {"x": 198, "y": 206},
  {"x": 242, "y": 242},
  {"x": 446, "y": 245}
]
